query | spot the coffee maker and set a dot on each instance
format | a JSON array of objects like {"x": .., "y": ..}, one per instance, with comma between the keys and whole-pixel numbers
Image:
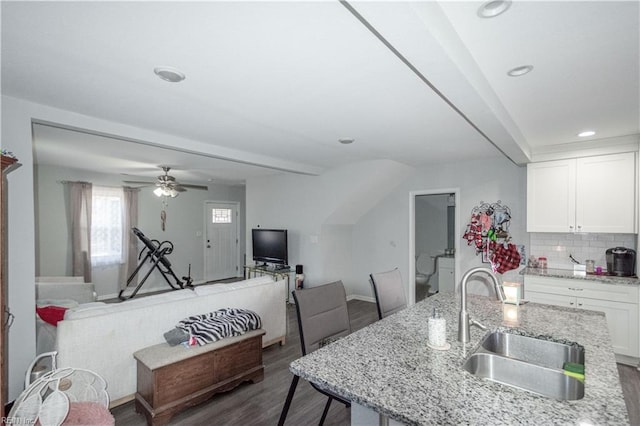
[{"x": 621, "y": 261}]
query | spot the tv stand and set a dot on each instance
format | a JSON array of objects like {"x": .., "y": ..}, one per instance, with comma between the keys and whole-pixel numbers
[
  {"x": 281, "y": 273},
  {"x": 279, "y": 268}
]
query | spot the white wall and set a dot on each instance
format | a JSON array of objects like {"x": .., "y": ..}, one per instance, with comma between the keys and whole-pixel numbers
[
  {"x": 16, "y": 137},
  {"x": 386, "y": 227},
  {"x": 184, "y": 227},
  {"x": 319, "y": 211},
  {"x": 377, "y": 238}
]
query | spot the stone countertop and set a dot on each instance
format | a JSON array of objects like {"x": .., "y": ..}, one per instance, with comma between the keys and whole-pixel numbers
[
  {"x": 567, "y": 273},
  {"x": 388, "y": 367}
]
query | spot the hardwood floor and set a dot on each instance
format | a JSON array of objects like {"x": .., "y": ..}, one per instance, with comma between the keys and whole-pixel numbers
[
  {"x": 261, "y": 403},
  {"x": 630, "y": 381}
]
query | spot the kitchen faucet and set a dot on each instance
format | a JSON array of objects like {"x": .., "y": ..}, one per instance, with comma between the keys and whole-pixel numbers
[{"x": 464, "y": 321}]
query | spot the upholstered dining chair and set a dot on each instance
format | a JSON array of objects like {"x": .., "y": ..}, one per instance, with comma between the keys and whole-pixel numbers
[
  {"x": 322, "y": 318},
  {"x": 389, "y": 292}
]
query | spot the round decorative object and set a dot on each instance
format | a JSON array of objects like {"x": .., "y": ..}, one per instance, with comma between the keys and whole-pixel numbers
[
  {"x": 49, "y": 399},
  {"x": 444, "y": 347}
]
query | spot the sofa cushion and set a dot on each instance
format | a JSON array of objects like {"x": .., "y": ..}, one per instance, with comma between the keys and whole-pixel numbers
[
  {"x": 204, "y": 290},
  {"x": 98, "y": 308}
]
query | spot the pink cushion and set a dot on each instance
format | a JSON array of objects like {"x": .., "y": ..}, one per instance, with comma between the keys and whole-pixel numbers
[{"x": 88, "y": 413}]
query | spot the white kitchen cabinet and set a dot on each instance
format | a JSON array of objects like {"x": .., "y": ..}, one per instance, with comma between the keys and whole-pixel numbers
[
  {"x": 618, "y": 302},
  {"x": 591, "y": 194}
]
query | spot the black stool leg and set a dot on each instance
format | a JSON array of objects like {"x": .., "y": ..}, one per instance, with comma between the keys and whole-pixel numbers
[
  {"x": 287, "y": 403},
  {"x": 326, "y": 410}
]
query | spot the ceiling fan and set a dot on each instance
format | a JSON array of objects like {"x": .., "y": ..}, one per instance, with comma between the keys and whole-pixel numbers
[{"x": 167, "y": 185}]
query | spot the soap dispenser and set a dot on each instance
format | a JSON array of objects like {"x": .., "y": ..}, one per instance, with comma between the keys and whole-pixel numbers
[{"x": 437, "y": 331}]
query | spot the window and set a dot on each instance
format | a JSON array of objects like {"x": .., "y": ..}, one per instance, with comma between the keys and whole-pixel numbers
[
  {"x": 107, "y": 214},
  {"x": 221, "y": 216}
]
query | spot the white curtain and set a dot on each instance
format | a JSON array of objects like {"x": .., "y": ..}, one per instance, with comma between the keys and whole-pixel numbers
[
  {"x": 129, "y": 241},
  {"x": 80, "y": 196}
]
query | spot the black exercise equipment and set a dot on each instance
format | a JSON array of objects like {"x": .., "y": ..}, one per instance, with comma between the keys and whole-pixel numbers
[{"x": 156, "y": 253}]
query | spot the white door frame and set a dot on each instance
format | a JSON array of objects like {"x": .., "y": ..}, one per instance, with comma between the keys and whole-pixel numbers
[
  {"x": 240, "y": 271},
  {"x": 412, "y": 235}
]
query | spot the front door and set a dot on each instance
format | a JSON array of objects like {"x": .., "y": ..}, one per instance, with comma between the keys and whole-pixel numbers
[{"x": 222, "y": 251}]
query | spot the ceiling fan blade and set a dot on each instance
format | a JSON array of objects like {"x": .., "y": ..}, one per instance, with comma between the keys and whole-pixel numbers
[
  {"x": 194, "y": 186},
  {"x": 179, "y": 188}
]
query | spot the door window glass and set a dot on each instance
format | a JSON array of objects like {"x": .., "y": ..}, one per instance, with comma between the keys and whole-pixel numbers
[{"x": 221, "y": 215}]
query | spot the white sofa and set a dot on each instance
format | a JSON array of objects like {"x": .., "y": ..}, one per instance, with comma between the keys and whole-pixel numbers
[
  {"x": 103, "y": 337},
  {"x": 66, "y": 291}
]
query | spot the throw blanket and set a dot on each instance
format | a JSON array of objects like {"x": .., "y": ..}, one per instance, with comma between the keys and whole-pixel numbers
[{"x": 211, "y": 327}]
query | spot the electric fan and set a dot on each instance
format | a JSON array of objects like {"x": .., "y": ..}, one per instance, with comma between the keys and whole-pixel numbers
[{"x": 73, "y": 394}]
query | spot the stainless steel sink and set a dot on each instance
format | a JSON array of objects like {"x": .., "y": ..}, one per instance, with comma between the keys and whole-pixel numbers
[
  {"x": 537, "y": 351},
  {"x": 534, "y": 378},
  {"x": 534, "y": 365}
]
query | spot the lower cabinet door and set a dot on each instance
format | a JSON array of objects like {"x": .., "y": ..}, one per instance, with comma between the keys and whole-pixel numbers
[{"x": 622, "y": 320}]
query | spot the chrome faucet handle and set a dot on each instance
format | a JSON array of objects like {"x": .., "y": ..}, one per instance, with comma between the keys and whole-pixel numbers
[{"x": 477, "y": 324}]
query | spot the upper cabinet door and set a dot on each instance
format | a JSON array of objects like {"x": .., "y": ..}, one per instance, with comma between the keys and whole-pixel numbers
[
  {"x": 551, "y": 196},
  {"x": 606, "y": 193}
]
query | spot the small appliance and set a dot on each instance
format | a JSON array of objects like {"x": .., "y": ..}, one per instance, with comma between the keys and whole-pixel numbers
[{"x": 621, "y": 261}]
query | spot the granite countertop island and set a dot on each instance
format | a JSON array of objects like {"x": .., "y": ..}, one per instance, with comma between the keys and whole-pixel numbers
[{"x": 387, "y": 367}]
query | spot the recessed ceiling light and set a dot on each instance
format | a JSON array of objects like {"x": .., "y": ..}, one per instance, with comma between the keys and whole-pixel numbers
[
  {"x": 346, "y": 141},
  {"x": 586, "y": 133},
  {"x": 519, "y": 71},
  {"x": 169, "y": 74},
  {"x": 493, "y": 8}
]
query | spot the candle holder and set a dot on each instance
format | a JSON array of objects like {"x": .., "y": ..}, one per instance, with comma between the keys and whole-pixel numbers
[
  {"x": 510, "y": 314},
  {"x": 512, "y": 293}
]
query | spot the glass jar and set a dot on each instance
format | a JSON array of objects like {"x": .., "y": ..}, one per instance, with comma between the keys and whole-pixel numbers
[
  {"x": 542, "y": 264},
  {"x": 590, "y": 266}
]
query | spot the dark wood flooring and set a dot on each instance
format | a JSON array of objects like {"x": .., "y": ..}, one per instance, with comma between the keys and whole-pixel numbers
[{"x": 261, "y": 403}]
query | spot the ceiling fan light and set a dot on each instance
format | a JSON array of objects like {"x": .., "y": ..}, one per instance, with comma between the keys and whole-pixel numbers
[
  {"x": 493, "y": 8},
  {"x": 158, "y": 191},
  {"x": 169, "y": 74},
  {"x": 173, "y": 193},
  {"x": 520, "y": 71}
]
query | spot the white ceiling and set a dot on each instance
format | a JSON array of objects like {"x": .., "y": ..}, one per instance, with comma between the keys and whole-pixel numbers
[{"x": 276, "y": 84}]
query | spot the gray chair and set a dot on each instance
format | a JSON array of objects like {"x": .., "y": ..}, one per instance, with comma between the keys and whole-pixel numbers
[
  {"x": 322, "y": 318},
  {"x": 389, "y": 292}
]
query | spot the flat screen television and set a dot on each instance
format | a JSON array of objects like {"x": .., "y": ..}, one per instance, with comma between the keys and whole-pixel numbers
[{"x": 270, "y": 246}]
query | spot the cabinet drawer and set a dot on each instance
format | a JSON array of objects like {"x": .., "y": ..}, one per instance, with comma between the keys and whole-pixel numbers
[
  {"x": 581, "y": 288},
  {"x": 551, "y": 299},
  {"x": 612, "y": 292},
  {"x": 548, "y": 285}
]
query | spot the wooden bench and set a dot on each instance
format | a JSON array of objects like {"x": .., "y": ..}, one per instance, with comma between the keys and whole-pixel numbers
[{"x": 172, "y": 378}]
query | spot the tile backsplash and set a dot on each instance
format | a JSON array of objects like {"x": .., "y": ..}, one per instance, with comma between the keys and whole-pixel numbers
[{"x": 558, "y": 247}]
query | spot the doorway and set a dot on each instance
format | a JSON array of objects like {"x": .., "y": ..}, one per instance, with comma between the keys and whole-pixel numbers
[
  {"x": 221, "y": 241},
  {"x": 434, "y": 224}
]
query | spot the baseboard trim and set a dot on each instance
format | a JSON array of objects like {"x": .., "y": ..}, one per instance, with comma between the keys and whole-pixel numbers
[
  {"x": 122, "y": 400},
  {"x": 363, "y": 298},
  {"x": 627, "y": 360}
]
